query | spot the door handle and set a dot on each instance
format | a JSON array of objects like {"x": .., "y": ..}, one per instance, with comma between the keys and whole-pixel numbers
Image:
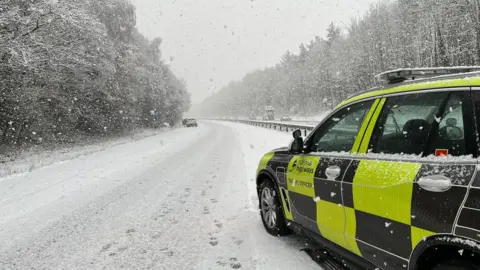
[
  {"x": 333, "y": 172},
  {"x": 435, "y": 183}
]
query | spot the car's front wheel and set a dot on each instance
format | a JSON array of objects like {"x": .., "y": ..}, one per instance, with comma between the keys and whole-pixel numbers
[{"x": 271, "y": 210}]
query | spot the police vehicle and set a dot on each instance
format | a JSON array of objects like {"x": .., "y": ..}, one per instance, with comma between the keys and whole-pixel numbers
[{"x": 389, "y": 180}]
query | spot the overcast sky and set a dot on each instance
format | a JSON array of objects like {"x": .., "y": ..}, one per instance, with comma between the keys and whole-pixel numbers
[{"x": 215, "y": 41}]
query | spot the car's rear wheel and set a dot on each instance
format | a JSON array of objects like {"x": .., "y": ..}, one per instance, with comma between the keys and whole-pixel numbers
[{"x": 271, "y": 210}]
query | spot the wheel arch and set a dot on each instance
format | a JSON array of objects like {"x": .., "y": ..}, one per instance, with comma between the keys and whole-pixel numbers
[
  {"x": 266, "y": 174},
  {"x": 442, "y": 242}
]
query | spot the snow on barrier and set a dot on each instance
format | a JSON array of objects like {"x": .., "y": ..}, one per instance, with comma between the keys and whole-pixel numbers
[{"x": 286, "y": 127}]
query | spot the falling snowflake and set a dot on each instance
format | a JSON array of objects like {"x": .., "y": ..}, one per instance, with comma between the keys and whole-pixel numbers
[
  {"x": 316, "y": 199},
  {"x": 332, "y": 194},
  {"x": 387, "y": 224}
]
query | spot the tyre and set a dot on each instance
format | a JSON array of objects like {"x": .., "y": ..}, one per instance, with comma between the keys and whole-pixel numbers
[
  {"x": 271, "y": 210},
  {"x": 456, "y": 264}
]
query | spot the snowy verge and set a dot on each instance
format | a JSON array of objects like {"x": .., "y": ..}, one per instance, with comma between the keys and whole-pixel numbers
[
  {"x": 266, "y": 252},
  {"x": 256, "y": 142},
  {"x": 36, "y": 158}
]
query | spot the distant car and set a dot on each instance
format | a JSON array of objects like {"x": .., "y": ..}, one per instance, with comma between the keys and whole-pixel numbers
[
  {"x": 286, "y": 118},
  {"x": 190, "y": 122}
]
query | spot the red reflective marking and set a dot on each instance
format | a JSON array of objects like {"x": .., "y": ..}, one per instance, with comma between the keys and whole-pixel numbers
[{"x": 441, "y": 152}]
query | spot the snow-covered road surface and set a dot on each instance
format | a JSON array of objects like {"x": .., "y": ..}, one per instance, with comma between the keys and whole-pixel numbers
[{"x": 184, "y": 199}]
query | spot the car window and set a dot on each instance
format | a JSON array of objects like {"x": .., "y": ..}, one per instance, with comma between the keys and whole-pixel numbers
[
  {"x": 405, "y": 122},
  {"x": 449, "y": 138},
  {"x": 339, "y": 132}
]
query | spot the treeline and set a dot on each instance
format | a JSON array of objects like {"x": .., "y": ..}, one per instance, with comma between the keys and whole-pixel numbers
[
  {"x": 392, "y": 34},
  {"x": 76, "y": 68}
]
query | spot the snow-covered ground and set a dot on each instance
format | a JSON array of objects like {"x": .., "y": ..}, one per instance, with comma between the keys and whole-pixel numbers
[
  {"x": 34, "y": 158},
  {"x": 183, "y": 199}
]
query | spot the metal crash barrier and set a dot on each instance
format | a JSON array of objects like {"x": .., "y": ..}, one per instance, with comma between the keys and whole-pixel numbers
[{"x": 285, "y": 127}]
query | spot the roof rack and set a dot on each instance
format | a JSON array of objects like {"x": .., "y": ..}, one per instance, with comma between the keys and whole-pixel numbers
[{"x": 404, "y": 74}]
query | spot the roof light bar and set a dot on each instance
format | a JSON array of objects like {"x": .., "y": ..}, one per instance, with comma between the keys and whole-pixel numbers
[{"x": 403, "y": 74}]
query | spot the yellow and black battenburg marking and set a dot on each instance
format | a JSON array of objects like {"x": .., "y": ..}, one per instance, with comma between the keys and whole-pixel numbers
[
  {"x": 393, "y": 214},
  {"x": 374, "y": 209},
  {"x": 468, "y": 224}
]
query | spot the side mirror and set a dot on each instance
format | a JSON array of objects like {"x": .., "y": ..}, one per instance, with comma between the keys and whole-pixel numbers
[
  {"x": 296, "y": 146},
  {"x": 297, "y": 134}
]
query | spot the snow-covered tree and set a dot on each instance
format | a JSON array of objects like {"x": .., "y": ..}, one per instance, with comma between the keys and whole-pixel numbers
[{"x": 73, "y": 68}]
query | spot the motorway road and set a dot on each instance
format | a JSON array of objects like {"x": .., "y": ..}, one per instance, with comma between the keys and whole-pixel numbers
[{"x": 184, "y": 199}]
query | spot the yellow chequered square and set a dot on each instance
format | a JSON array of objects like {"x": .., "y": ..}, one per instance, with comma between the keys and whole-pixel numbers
[
  {"x": 351, "y": 230},
  {"x": 418, "y": 235},
  {"x": 384, "y": 188},
  {"x": 331, "y": 222},
  {"x": 300, "y": 175}
]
